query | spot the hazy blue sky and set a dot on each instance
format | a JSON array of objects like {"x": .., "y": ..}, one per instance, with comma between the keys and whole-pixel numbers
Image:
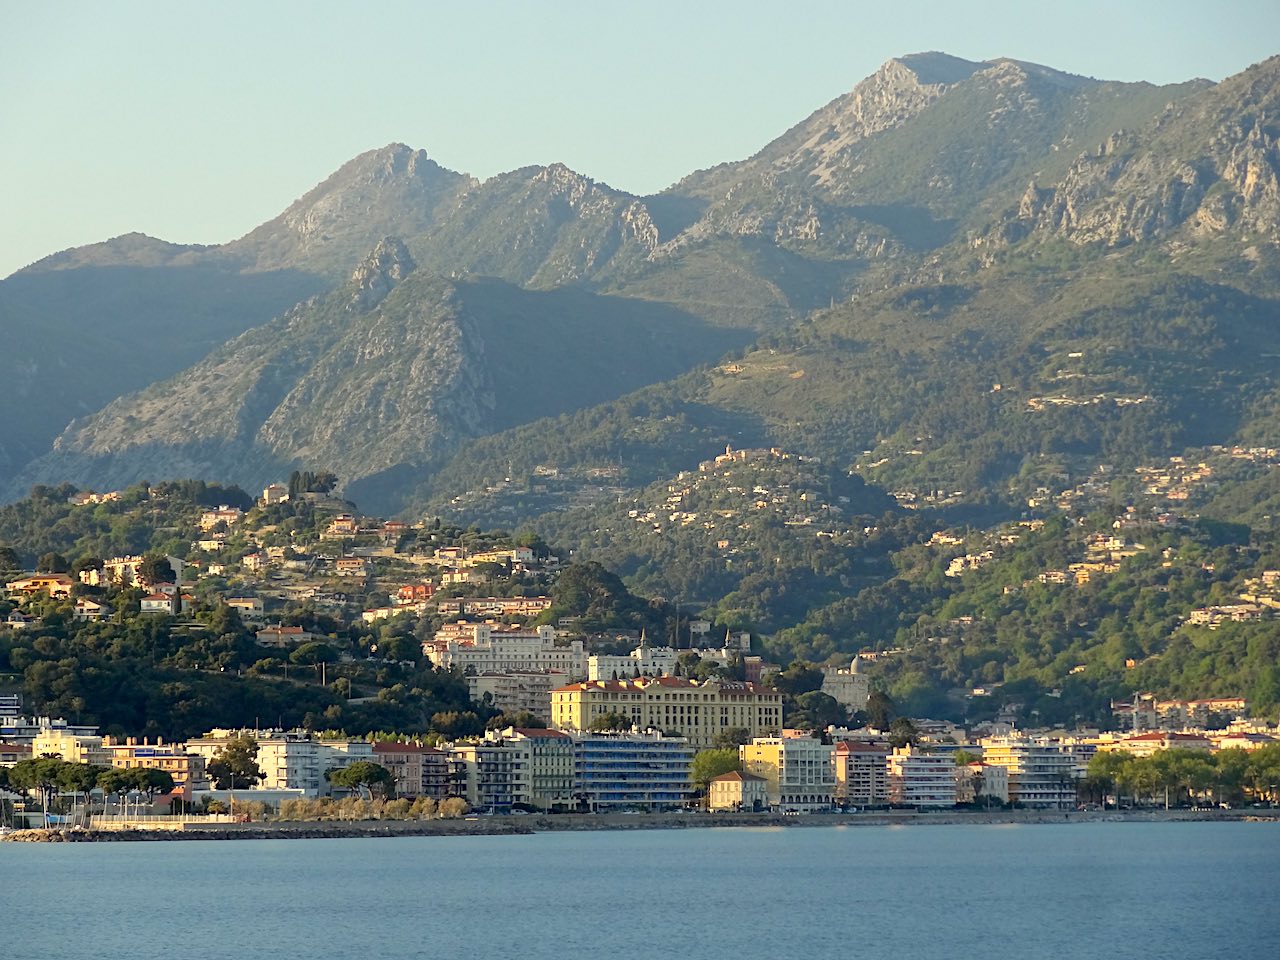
[{"x": 196, "y": 122}]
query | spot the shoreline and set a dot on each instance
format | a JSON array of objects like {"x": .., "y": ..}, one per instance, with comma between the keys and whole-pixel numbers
[{"x": 561, "y": 823}]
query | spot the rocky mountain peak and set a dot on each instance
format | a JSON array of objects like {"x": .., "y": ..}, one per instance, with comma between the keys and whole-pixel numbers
[
  {"x": 571, "y": 185},
  {"x": 1009, "y": 71},
  {"x": 899, "y": 90},
  {"x": 385, "y": 266},
  {"x": 392, "y": 190},
  {"x": 933, "y": 67}
]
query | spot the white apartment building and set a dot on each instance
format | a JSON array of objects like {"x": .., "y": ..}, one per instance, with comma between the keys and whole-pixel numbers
[
  {"x": 289, "y": 759},
  {"x": 497, "y": 648},
  {"x": 517, "y": 691},
  {"x": 643, "y": 661},
  {"x": 919, "y": 779},
  {"x": 1041, "y": 774}
]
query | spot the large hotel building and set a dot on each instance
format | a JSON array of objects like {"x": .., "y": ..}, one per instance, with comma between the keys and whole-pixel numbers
[{"x": 697, "y": 711}]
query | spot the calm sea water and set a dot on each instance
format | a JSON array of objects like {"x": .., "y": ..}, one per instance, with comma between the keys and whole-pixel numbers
[{"x": 1200, "y": 890}]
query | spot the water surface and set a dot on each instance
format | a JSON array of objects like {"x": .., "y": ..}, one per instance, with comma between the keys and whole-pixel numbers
[{"x": 1097, "y": 890}]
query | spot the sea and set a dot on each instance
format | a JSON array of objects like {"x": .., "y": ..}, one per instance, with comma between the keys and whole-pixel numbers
[{"x": 960, "y": 892}]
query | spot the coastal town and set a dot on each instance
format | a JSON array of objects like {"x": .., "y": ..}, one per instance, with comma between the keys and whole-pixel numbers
[
  {"x": 564, "y": 716},
  {"x": 581, "y": 766}
]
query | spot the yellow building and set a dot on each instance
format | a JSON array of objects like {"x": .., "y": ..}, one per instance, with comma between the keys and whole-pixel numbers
[
  {"x": 187, "y": 769},
  {"x": 799, "y": 772},
  {"x": 71, "y": 747},
  {"x": 697, "y": 711},
  {"x": 738, "y": 792},
  {"x": 1041, "y": 773},
  {"x": 57, "y": 584}
]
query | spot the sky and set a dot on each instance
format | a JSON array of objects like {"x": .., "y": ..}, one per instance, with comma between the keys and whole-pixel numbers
[{"x": 196, "y": 122}]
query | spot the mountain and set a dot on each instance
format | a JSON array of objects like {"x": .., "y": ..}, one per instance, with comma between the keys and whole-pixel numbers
[
  {"x": 387, "y": 373},
  {"x": 1206, "y": 167},
  {"x": 394, "y": 191},
  {"x": 906, "y": 200},
  {"x": 86, "y": 327},
  {"x": 958, "y": 393},
  {"x": 1038, "y": 344},
  {"x": 922, "y": 147}
]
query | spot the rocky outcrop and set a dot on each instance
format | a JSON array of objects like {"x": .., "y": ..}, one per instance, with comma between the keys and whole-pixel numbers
[{"x": 1206, "y": 166}]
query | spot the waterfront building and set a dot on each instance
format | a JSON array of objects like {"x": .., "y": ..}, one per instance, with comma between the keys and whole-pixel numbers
[
  {"x": 420, "y": 771},
  {"x": 978, "y": 780},
  {"x": 699, "y": 711},
  {"x": 1041, "y": 774},
  {"x": 487, "y": 773},
  {"x": 186, "y": 769},
  {"x": 289, "y": 759},
  {"x": 861, "y": 774},
  {"x": 799, "y": 772},
  {"x": 631, "y": 771},
  {"x": 737, "y": 792},
  {"x": 919, "y": 779},
  {"x": 543, "y": 777}
]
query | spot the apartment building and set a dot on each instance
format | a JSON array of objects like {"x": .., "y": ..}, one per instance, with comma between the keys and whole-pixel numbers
[
  {"x": 631, "y": 771},
  {"x": 420, "y": 771},
  {"x": 799, "y": 772},
  {"x": 861, "y": 774},
  {"x": 1042, "y": 774},
  {"x": 919, "y": 779},
  {"x": 289, "y": 759},
  {"x": 497, "y": 648}
]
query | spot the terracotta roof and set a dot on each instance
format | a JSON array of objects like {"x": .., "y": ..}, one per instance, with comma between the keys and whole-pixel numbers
[{"x": 734, "y": 776}]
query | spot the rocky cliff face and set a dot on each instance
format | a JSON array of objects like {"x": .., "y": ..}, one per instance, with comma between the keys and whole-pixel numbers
[
  {"x": 1207, "y": 165},
  {"x": 818, "y": 146},
  {"x": 926, "y": 144}
]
